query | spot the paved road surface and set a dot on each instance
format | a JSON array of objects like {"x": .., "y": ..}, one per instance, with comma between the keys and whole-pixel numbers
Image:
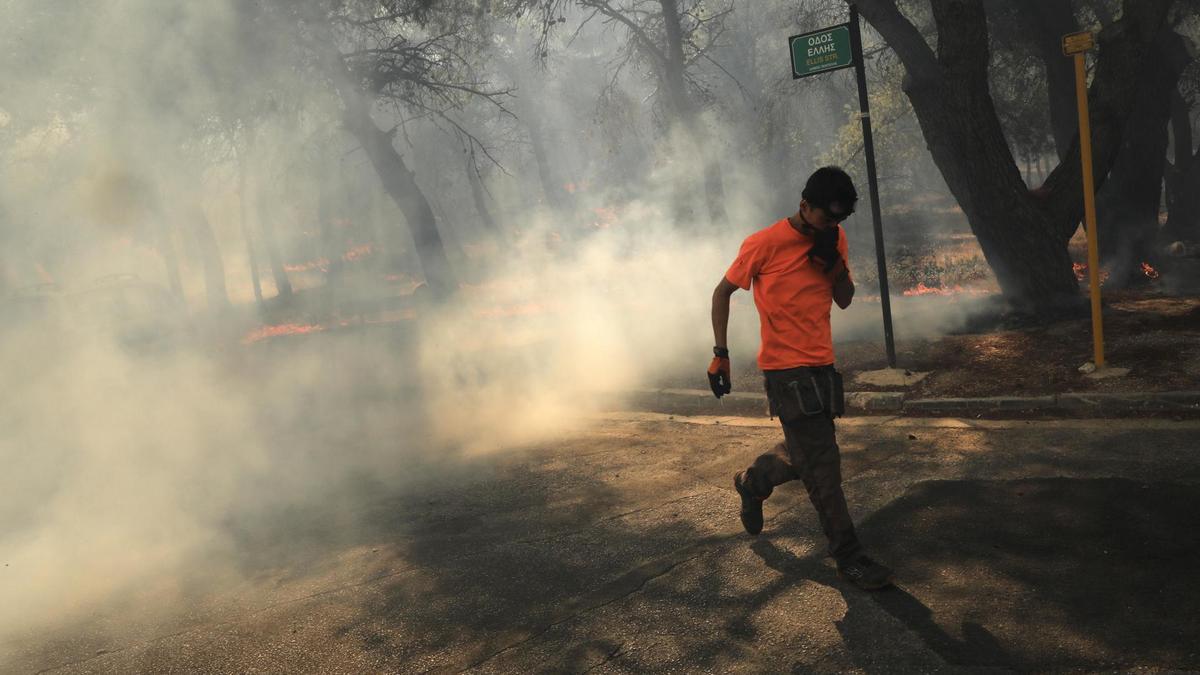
[{"x": 1018, "y": 545}]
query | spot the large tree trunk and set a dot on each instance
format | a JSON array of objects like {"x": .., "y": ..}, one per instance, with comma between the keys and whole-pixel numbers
[
  {"x": 958, "y": 118},
  {"x": 1023, "y": 237},
  {"x": 1125, "y": 56},
  {"x": 1127, "y": 207},
  {"x": 401, "y": 185},
  {"x": 398, "y": 181},
  {"x": 1183, "y": 177},
  {"x": 1048, "y": 21},
  {"x": 1027, "y": 255},
  {"x": 680, "y": 102}
]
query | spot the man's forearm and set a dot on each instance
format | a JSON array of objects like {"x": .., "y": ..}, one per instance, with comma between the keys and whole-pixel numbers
[
  {"x": 843, "y": 290},
  {"x": 720, "y": 318},
  {"x": 843, "y": 286}
]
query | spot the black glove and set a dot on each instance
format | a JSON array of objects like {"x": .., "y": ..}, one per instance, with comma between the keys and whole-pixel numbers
[
  {"x": 718, "y": 374},
  {"x": 824, "y": 248}
]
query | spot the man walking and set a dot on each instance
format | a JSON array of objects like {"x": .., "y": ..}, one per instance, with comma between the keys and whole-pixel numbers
[{"x": 797, "y": 269}]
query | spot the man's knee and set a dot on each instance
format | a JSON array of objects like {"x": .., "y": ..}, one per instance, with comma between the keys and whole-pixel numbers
[{"x": 770, "y": 469}]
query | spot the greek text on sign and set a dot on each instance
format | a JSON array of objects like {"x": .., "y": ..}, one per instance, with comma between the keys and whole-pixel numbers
[{"x": 821, "y": 51}]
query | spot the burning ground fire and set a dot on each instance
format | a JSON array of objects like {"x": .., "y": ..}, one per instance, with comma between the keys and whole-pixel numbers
[
  {"x": 280, "y": 329},
  {"x": 265, "y": 332},
  {"x": 351, "y": 255},
  {"x": 1081, "y": 272},
  {"x": 922, "y": 289},
  {"x": 499, "y": 311}
]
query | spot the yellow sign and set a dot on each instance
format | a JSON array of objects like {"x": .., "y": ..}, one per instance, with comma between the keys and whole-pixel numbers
[{"x": 1077, "y": 43}]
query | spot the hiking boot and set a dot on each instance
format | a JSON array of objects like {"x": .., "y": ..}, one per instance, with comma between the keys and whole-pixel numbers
[
  {"x": 751, "y": 513},
  {"x": 865, "y": 573}
]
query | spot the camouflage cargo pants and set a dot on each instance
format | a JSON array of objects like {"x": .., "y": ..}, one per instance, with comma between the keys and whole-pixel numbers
[{"x": 806, "y": 401}]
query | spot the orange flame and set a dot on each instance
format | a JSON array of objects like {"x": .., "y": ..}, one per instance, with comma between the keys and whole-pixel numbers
[
  {"x": 1149, "y": 271},
  {"x": 358, "y": 252},
  {"x": 318, "y": 264},
  {"x": 1081, "y": 272},
  {"x": 322, "y": 263},
  {"x": 264, "y": 332},
  {"x": 922, "y": 289}
]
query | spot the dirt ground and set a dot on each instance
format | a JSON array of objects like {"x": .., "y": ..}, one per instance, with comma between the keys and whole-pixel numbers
[{"x": 1156, "y": 336}]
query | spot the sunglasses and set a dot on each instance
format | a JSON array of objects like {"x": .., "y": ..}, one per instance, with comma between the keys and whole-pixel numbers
[{"x": 835, "y": 218}]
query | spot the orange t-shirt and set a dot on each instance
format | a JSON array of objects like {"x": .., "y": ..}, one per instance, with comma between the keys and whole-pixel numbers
[{"x": 793, "y": 296}]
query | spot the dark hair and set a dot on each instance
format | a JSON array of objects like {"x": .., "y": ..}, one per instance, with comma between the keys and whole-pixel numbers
[{"x": 830, "y": 185}]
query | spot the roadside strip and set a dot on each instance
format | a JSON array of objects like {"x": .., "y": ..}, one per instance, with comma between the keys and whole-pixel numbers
[{"x": 744, "y": 404}]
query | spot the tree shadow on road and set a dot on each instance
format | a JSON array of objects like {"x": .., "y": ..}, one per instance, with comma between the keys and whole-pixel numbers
[
  {"x": 1065, "y": 573},
  {"x": 494, "y": 564},
  {"x": 511, "y": 562}
]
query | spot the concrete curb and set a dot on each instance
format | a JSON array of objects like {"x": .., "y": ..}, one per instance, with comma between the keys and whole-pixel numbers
[{"x": 743, "y": 404}]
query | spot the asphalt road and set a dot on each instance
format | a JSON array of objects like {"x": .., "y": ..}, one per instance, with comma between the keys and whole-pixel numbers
[{"x": 1017, "y": 545}]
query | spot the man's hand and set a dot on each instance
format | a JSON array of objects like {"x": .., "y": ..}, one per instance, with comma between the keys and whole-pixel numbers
[
  {"x": 718, "y": 376},
  {"x": 824, "y": 248}
]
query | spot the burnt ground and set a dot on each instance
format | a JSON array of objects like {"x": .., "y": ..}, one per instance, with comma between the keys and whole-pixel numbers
[{"x": 1154, "y": 335}]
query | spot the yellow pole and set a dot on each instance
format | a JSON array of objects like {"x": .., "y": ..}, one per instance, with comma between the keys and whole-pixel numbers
[{"x": 1089, "y": 208}]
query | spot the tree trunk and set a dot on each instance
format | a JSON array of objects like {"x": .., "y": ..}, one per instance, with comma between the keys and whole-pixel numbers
[
  {"x": 1183, "y": 177},
  {"x": 552, "y": 182},
  {"x": 210, "y": 256},
  {"x": 1125, "y": 49},
  {"x": 479, "y": 196},
  {"x": 401, "y": 185},
  {"x": 1183, "y": 220},
  {"x": 958, "y": 118},
  {"x": 398, "y": 181},
  {"x": 1023, "y": 237},
  {"x": 1029, "y": 258},
  {"x": 1049, "y": 20},
  {"x": 1127, "y": 207},
  {"x": 166, "y": 248},
  {"x": 331, "y": 248},
  {"x": 283, "y": 287},
  {"x": 549, "y": 176},
  {"x": 243, "y": 217},
  {"x": 680, "y": 102}
]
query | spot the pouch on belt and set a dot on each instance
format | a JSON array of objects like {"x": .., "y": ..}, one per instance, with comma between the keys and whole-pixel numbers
[{"x": 806, "y": 392}]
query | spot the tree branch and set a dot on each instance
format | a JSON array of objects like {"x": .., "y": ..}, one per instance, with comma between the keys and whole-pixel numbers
[{"x": 901, "y": 36}]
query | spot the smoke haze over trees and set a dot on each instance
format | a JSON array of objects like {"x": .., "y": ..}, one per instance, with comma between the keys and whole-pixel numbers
[
  {"x": 505, "y": 108},
  {"x": 487, "y": 210}
]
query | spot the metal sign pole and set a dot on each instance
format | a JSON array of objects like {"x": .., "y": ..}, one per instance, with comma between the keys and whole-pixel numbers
[
  {"x": 872, "y": 180},
  {"x": 1076, "y": 45}
]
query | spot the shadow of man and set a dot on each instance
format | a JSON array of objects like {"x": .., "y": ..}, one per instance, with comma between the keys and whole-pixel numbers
[{"x": 864, "y": 631}]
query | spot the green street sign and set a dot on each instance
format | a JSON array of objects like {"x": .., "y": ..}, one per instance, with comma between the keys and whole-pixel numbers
[{"x": 821, "y": 51}]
